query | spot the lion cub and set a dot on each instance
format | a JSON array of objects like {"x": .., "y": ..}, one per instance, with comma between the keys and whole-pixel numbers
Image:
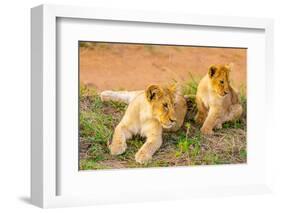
[
  {"x": 217, "y": 101},
  {"x": 148, "y": 112}
]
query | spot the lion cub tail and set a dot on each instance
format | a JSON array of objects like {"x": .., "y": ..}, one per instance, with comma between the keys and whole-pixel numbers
[{"x": 120, "y": 96}]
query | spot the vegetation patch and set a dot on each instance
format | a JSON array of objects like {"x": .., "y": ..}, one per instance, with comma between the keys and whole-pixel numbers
[{"x": 185, "y": 147}]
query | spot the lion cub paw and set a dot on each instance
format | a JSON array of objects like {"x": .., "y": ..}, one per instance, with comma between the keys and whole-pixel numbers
[
  {"x": 199, "y": 119},
  {"x": 117, "y": 148},
  {"x": 218, "y": 126},
  {"x": 206, "y": 131},
  {"x": 142, "y": 157}
]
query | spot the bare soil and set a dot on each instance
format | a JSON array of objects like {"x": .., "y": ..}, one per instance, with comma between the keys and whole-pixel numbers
[{"x": 123, "y": 66}]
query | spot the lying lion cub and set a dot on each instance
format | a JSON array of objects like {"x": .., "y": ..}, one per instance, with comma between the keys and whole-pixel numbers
[
  {"x": 148, "y": 112},
  {"x": 217, "y": 101}
]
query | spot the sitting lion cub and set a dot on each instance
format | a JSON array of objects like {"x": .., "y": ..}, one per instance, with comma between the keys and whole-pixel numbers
[
  {"x": 148, "y": 112},
  {"x": 217, "y": 101}
]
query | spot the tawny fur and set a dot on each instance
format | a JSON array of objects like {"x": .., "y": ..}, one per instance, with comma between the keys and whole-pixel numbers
[
  {"x": 121, "y": 96},
  {"x": 147, "y": 114},
  {"x": 217, "y": 101}
]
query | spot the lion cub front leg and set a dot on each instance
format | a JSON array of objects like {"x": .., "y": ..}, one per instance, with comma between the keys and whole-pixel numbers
[
  {"x": 118, "y": 144},
  {"x": 211, "y": 121},
  {"x": 202, "y": 112},
  {"x": 152, "y": 144}
]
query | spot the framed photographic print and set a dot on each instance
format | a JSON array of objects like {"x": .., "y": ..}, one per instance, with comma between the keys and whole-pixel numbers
[{"x": 130, "y": 106}]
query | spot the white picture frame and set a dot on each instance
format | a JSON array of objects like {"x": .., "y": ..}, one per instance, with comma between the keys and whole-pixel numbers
[{"x": 45, "y": 178}]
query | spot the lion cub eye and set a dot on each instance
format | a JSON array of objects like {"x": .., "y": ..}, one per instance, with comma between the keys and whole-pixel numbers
[
  {"x": 221, "y": 81},
  {"x": 165, "y": 105}
]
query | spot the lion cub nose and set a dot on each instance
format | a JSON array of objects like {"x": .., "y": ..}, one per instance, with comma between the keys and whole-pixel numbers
[{"x": 173, "y": 120}]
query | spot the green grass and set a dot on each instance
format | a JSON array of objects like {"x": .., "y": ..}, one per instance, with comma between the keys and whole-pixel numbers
[
  {"x": 185, "y": 147},
  {"x": 94, "y": 45},
  {"x": 190, "y": 87}
]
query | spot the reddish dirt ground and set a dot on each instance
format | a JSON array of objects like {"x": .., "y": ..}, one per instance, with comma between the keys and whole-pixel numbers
[{"x": 131, "y": 67}]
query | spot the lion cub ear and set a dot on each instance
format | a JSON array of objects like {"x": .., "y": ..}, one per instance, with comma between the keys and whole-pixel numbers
[
  {"x": 229, "y": 66},
  {"x": 153, "y": 92},
  {"x": 212, "y": 71},
  {"x": 173, "y": 88}
]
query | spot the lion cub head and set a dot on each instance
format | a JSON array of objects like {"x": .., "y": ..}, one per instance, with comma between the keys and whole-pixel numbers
[
  {"x": 219, "y": 78},
  {"x": 162, "y": 100}
]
